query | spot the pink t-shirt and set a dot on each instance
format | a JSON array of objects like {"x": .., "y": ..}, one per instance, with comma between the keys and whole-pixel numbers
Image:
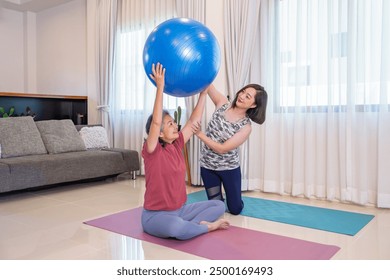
[{"x": 165, "y": 173}]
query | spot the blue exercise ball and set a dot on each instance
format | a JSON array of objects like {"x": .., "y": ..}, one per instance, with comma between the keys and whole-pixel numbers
[{"x": 188, "y": 51}]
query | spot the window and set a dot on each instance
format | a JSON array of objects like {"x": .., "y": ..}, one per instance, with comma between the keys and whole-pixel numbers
[
  {"x": 132, "y": 79},
  {"x": 331, "y": 54}
]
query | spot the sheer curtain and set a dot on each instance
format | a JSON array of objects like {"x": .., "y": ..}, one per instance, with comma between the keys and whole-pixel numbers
[
  {"x": 134, "y": 95},
  {"x": 106, "y": 17},
  {"x": 327, "y": 72},
  {"x": 241, "y": 22}
]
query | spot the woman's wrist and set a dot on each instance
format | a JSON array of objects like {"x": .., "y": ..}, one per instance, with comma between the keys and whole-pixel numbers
[{"x": 200, "y": 135}]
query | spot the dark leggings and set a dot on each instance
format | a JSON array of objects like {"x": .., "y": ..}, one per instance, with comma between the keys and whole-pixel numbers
[{"x": 231, "y": 180}]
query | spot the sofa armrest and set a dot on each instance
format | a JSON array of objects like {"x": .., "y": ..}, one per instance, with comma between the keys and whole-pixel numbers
[
  {"x": 80, "y": 126},
  {"x": 131, "y": 157}
]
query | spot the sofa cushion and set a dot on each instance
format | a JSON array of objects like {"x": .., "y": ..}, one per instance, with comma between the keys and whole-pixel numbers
[
  {"x": 4, "y": 169},
  {"x": 19, "y": 136},
  {"x": 60, "y": 136},
  {"x": 94, "y": 137}
]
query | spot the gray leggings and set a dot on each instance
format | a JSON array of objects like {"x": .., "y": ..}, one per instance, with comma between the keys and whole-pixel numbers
[{"x": 183, "y": 223}]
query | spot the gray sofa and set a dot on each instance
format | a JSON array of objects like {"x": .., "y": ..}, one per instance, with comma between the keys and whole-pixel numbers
[{"x": 34, "y": 154}]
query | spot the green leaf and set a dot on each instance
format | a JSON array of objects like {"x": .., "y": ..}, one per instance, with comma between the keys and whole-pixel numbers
[
  {"x": 178, "y": 115},
  {"x": 2, "y": 110}
]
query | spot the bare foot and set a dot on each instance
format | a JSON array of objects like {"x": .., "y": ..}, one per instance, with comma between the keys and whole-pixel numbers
[{"x": 218, "y": 224}]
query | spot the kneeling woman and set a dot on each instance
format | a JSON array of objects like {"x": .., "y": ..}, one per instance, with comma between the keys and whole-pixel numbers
[{"x": 165, "y": 212}]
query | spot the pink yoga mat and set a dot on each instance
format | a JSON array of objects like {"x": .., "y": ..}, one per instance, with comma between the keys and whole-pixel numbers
[{"x": 234, "y": 243}]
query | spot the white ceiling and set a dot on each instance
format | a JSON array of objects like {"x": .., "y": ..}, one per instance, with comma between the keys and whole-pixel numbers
[{"x": 31, "y": 5}]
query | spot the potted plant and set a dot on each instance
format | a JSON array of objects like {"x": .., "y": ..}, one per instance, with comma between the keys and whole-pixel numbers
[
  {"x": 4, "y": 114},
  {"x": 177, "y": 117}
]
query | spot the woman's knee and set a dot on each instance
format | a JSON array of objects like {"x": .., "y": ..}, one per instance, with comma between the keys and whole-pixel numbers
[
  {"x": 220, "y": 204},
  {"x": 236, "y": 209}
]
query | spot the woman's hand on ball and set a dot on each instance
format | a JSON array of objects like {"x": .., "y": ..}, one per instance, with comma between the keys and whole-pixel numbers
[{"x": 158, "y": 75}]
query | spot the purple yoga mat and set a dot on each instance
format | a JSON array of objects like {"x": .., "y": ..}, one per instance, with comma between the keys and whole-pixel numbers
[{"x": 235, "y": 243}]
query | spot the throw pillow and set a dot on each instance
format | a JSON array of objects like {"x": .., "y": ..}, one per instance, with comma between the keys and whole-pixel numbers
[
  {"x": 19, "y": 136},
  {"x": 94, "y": 137},
  {"x": 60, "y": 136}
]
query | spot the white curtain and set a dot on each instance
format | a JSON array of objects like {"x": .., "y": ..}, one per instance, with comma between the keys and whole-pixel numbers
[
  {"x": 326, "y": 65},
  {"x": 134, "y": 95},
  {"x": 241, "y": 24},
  {"x": 194, "y": 9},
  {"x": 106, "y": 17}
]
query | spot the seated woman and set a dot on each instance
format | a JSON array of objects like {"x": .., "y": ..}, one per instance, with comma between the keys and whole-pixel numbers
[{"x": 165, "y": 212}]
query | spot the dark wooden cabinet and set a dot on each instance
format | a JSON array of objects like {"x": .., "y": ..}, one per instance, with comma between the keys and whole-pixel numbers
[{"x": 47, "y": 107}]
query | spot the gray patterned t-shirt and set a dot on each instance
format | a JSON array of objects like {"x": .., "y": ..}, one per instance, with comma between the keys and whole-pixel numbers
[{"x": 220, "y": 130}]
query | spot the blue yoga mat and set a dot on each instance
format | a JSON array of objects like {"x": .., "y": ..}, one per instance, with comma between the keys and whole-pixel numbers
[{"x": 337, "y": 221}]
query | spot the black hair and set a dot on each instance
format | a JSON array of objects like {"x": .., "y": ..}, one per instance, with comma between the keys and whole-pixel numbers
[
  {"x": 256, "y": 114},
  {"x": 149, "y": 123}
]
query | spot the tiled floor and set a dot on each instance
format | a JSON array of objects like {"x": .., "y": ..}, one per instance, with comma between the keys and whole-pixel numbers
[{"x": 48, "y": 224}]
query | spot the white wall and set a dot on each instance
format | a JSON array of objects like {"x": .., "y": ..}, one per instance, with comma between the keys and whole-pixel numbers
[
  {"x": 61, "y": 49},
  {"x": 93, "y": 115},
  {"x": 11, "y": 51},
  {"x": 30, "y": 52},
  {"x": 44, "y": 52}
]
